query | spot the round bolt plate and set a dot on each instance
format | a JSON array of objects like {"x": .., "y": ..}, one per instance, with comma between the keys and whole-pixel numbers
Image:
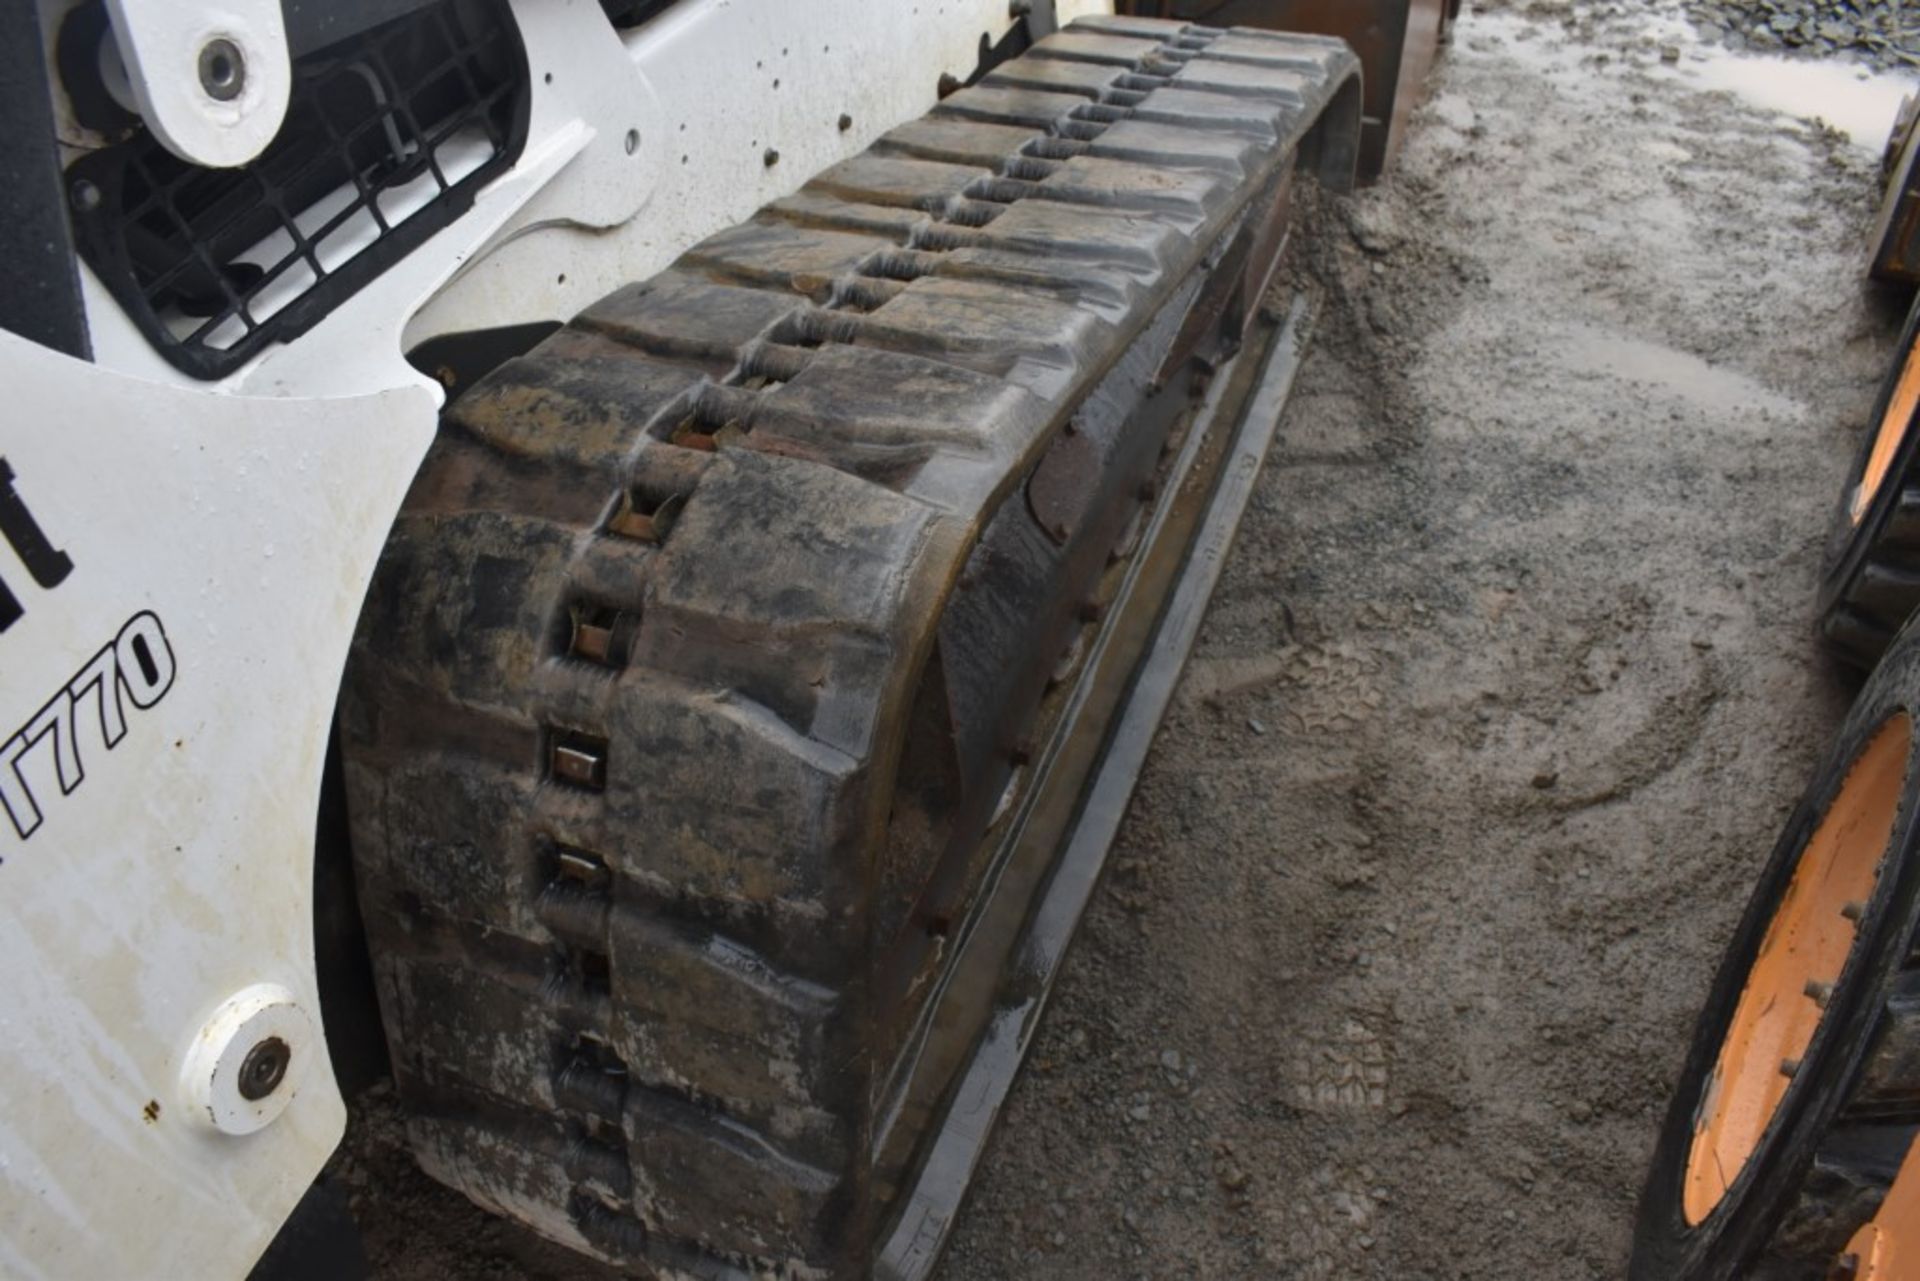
[{"x": 248, "y": 1060}]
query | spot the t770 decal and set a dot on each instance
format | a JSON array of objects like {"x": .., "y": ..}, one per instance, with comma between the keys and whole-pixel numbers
[{"x": 132, "y": 671}]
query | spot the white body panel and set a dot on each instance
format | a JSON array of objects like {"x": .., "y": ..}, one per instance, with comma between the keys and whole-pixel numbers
[
  {"x": 171, "y": 872},
  {"x": 178, "y": 869}
]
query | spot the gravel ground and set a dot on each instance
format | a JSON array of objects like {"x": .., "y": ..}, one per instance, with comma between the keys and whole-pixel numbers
[
  {"x": 1503, "y": 696},
  {"x": 1506, "y": 689},
  {"x": 1883, "y": 33}
]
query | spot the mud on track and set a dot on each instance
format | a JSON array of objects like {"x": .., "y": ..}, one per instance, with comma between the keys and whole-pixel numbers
[{"x": 1506, "y": 688}]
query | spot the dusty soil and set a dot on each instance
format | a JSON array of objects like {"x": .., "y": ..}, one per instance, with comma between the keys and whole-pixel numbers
[{"x": 1510, "y": 680}]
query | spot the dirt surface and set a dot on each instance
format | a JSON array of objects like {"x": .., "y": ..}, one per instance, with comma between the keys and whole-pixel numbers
[{"x": 1505, "y": 691}]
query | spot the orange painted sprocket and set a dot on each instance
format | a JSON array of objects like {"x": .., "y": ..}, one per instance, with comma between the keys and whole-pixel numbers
[{"x": 1800, "y": 1095}]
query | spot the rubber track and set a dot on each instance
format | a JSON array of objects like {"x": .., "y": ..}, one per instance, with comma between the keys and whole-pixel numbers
[
  {"x": 1870, "y": 581},
  {"x": 620, "y": 719}
]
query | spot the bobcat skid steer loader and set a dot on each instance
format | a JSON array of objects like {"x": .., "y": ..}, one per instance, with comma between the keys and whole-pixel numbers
[{"x": 717, "y": 495}]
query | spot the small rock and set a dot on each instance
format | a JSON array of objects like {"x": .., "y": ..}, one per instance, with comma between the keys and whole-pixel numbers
[
  {"x": 1581, "y": 1110},
  {"x": 1546, "y": 778},
  {"x": 1371, "y": 228},
  {"x": 1669, "y": 53},
  {"x": 1170, "y": 1060},
  {"x": 1256, "y": 726},
  {"x": 1140, "y": 1112},
  {"x": 1455, "y": 112}
]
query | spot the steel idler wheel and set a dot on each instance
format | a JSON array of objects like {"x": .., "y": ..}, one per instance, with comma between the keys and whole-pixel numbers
[
  {"x": 1871, "y": 578},
  {"x": 1801, "y": 1094}
]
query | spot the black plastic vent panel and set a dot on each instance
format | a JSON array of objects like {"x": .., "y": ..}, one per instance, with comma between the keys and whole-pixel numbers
[{"x": 387, "y": 138}]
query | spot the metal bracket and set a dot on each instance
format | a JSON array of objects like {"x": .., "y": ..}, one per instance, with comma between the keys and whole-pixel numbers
[{"x": 211, "y": 81}]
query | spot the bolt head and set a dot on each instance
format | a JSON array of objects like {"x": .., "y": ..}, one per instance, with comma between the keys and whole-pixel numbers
[
  {"x": 264, "y": 1068},
  {"x": 223, "y": 69}
]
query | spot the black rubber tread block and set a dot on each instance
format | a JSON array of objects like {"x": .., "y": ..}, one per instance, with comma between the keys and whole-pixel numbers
[
  {"x": 1089, "y": 239},
  {"x": 1057, "y": 75},
  {"x": 780, "y": 585},
  {"x": 1038, "y": 343},
  {"x": 1853, "y": 1110},
  {"x": 551, "y": 424},
  {"x": 957, "y": 142},
  {"x": 1870, "y": 578},
  {"x": 899, "y": 182},
  {"x": 512, "y": 1032},
  {"x": 620, "y": 720},
  {"x": 457, "y": 606},
  {"x": 1187, "y": 200},
  {"x": 572, "y": 1183},
  {"x": 835, "y": 411},
  {"x": 1163, "y": 146},
  {"x": 462, "y": 880},
  {"x": 1885, "y": 590},
  {"x": 1201, "y": 108},
  {"x": 1006, "y": 105},
  {"x": 813, "y": 209},
  {"x": 1102, "y": 48},
  {"x": 684, "y": 315},
  {"x": 1859, "y": 640},
  {"x": 773, "y": 254}
]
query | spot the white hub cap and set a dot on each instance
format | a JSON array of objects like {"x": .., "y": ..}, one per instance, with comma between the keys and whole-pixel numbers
[{"x": 248, "y": 1060}]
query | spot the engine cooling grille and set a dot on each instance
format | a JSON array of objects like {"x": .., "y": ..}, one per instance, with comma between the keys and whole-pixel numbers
[{"x": 387, "y": 138}]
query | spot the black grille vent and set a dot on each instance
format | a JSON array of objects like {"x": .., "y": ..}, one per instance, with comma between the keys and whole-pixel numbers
[{"x": 387, "y": 138}]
